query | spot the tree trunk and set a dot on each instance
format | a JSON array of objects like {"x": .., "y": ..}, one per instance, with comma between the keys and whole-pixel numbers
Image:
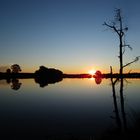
[
  {"x": 121, "y": 57},
  {"x": 121, "y": 33}
]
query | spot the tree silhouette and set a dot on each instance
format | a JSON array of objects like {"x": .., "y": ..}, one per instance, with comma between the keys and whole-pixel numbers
[
  {"x": 8, "y": 71},
  {"x": 15, "y": 68},
  {"x": 118, "y": 27}
]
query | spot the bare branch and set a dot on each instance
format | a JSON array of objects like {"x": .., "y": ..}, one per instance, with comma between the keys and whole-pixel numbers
[
  {"x": 112, "y": 27},
  {"x": 135, "y": 60},
  {"x": 125, "y": 29},
  {"x": 124, "y": 48},
  {"x": 123, "y": 51},
  {"x": 128, "y": 47},
  {"x": 118, "y": 16}
]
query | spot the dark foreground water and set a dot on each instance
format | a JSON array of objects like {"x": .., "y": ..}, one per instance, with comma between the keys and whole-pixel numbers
[{"x": 70, "y": 109}]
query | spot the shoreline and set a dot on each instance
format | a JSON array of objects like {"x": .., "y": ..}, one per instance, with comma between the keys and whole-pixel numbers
[{"x": 33, "y": 75}]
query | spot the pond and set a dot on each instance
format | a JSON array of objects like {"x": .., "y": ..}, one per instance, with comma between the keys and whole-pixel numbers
[{"x": 69, "y": 108}]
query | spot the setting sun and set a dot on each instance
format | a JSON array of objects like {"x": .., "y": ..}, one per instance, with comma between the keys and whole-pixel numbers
[{"x": 92, "y": 72}]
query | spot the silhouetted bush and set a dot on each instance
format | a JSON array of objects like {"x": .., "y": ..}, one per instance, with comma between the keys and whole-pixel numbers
[
  {"x": 45, "y": 76},
  {"x": 48, "y": 72}
]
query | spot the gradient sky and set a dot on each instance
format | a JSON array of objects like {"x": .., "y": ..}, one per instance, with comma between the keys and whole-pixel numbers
[{"x": 66, "y": 34}]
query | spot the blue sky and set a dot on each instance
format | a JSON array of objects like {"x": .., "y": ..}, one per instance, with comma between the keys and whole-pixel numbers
[{"x": 66, "y": 34}]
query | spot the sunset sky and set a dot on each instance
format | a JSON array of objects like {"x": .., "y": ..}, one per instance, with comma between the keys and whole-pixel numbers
[{"x": 66, "y": 34}]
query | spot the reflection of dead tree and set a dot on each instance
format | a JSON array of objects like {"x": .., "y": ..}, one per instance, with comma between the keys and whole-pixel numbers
[
  {"x": 116, "y": 110},
  {"x": 122, "y": 125},
  {"x": 122, "y": 105}
]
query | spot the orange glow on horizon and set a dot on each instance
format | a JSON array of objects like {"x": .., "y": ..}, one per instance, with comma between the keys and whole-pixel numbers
[{"x": 79, "y": 70}]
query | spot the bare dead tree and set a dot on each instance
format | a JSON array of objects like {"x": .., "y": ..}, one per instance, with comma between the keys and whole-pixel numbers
[{"x": 118, "y": 27}]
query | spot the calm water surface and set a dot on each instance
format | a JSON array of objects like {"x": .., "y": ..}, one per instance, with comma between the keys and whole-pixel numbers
[{"x": 70, "y": 107}]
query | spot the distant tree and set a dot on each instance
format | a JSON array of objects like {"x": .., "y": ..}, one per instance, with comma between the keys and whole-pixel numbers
[
  {"x": 15, "y": 68},
  {"x": 8, "y": 71},
  {"x": 118, "y": 27},
  {"x": 50, "y": 73}
]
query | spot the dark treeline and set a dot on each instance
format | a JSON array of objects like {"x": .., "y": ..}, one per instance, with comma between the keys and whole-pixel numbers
[
  {"x": 54, "y": 74},
  {"x": 16, "y": 75},
  {"x": 77, "y": 76},
  {"x": 125, "y": 75}
]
